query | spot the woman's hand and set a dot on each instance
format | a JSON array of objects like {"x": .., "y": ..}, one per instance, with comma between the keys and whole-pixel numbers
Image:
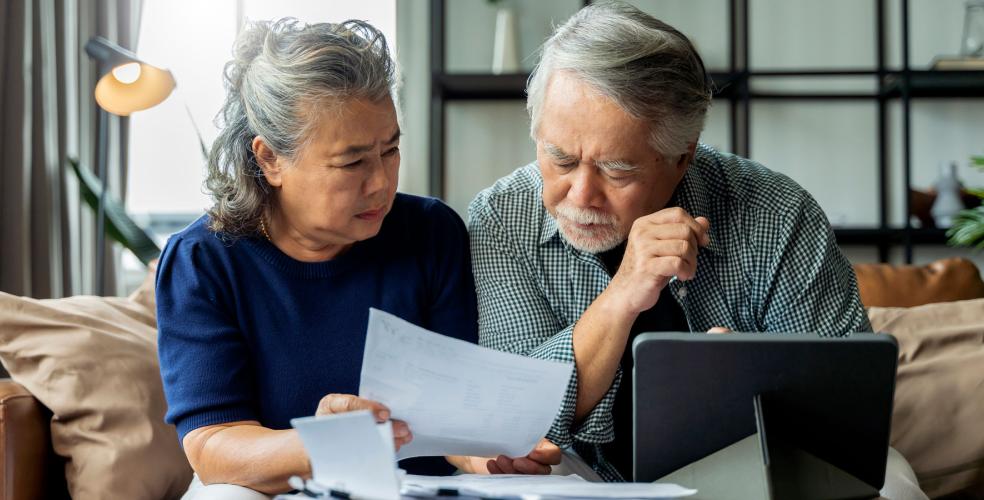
[
  {"x": 342, "y": 403},
  {"x": 537, "y": 461}
]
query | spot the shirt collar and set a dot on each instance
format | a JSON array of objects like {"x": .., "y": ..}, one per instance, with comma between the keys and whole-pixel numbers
[
  {"x": 691, "y": 195},
  {"x": 548, "y": 228}
]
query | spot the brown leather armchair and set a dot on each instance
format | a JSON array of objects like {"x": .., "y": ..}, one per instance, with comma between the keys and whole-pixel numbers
[{"x": 32, "y": 470}]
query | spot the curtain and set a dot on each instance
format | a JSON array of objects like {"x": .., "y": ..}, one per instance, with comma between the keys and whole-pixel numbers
[{"x": 48, "y": 114}]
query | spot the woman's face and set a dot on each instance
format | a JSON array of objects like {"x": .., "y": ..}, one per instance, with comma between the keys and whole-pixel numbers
[{"x": 342, "y": 182}]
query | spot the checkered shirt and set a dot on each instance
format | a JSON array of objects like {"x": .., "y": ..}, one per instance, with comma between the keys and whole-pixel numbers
[{"x": 773, "y": 265}]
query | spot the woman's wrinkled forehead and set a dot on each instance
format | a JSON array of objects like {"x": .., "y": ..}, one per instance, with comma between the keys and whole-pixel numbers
[{"x": 349, "y": 126}]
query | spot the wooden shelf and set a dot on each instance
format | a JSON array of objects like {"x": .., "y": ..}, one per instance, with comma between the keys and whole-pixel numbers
[
  {"x": 936, "y": 84},
  {"x": 477, "y": 86},
  {"x": 889, "y": 236},
  {"x": 928, "y": 84}
]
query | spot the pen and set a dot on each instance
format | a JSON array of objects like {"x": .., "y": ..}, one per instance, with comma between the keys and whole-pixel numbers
[
  {"x": 682, "y": 294},
  {"x": 299, "y": 484},
  {"x": 315, "y": 489}
]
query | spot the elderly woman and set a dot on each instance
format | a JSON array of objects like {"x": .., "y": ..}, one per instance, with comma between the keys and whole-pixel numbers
[{"x": 263, "y": 302}]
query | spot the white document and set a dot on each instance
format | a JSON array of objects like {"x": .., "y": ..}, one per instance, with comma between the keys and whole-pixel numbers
[
  {"x": 531, "y": 487},
  {"x": 350, "y": 452},
  {"x": 459, "y": 398}
]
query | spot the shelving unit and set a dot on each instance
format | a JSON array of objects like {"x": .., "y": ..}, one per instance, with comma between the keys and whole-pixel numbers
[{"x": 734, "y": 87}]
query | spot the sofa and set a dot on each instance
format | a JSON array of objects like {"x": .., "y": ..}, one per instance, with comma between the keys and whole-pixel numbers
[{"x": 48, "y": 449}]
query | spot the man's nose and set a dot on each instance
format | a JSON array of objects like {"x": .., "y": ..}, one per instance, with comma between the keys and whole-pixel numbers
[{"x": 585, "y": 190}]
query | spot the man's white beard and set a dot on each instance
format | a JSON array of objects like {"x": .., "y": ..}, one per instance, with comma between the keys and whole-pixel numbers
[{"x": 603, "y": 235}]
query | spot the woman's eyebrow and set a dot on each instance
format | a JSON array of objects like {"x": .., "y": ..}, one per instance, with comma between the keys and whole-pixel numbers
[{"x": 362, "y": 148}]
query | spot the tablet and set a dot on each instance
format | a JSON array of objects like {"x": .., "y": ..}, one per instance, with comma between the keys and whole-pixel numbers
[{"x": 695, "y": 394}]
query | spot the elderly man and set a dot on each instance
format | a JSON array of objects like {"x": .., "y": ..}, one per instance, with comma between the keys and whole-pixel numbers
[{"x": 626, "y": 224}]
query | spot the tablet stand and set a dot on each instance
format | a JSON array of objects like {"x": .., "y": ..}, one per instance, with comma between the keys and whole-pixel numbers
[{"x": 768, "y": 465}]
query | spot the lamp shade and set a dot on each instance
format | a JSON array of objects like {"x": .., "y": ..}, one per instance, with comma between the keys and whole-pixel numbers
[{"x": 127, "y": 83}]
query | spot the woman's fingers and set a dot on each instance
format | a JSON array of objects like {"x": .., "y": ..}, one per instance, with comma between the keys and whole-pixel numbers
[
  {"x": 400, "y": 429},
  {"x": 401, "y": 434},
  {"x": 342, "y": 403},
  {"x": 402, "y": 441}
]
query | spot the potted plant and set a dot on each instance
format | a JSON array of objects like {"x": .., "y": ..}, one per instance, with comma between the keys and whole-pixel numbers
[{"x": 968, "y": 224}]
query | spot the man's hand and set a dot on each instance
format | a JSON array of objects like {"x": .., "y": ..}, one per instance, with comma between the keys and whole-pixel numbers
[
  {"x": 342, "y": 403},
  {"x": 537, "y": 461},
  {"x": 660, "y": 246}
]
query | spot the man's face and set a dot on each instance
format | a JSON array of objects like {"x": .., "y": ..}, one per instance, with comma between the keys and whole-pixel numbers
[{"x": 599, "y": 172}]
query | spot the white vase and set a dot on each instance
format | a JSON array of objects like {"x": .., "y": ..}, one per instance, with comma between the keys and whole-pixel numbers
[
  {"x": 505, "y": 54},
  {"x": 948, "y": 201}
]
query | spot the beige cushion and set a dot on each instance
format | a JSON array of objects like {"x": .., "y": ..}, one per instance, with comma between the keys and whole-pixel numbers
[
  {"x": 938, "y": 423},
  {"x": 93, "y": 362}
]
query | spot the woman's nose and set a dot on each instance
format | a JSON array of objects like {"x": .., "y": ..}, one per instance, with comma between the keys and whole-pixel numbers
[{"x": 378, "y": 179}]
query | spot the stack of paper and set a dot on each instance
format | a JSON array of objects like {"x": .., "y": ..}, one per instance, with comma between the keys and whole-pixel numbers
[{"x": 529, "y": 487}]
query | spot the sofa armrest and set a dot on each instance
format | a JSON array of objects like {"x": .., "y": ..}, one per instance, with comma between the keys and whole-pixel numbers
[{"x": 25, "y": 444}]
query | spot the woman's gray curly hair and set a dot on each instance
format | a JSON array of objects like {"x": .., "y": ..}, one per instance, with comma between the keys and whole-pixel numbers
[
  {"x": 283, "y": 75},
  {"x": 646, "y": 66}
]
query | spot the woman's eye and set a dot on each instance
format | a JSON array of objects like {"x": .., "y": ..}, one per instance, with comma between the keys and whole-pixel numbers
[
  {"x": 392, "y": 151},
  {"x": 353, "y": 164}
]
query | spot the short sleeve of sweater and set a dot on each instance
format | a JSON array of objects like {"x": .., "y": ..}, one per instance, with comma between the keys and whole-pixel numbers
[{"x": 203, "y": 354}]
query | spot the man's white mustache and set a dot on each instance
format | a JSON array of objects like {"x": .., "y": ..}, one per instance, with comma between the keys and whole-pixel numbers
[{"x": 584, "y": 215}]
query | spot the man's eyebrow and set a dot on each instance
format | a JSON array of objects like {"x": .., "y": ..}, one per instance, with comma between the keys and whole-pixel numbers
[
  {"x": 558, "y": 153},
  {"x": 396, "y": 137},
  {"x": 619, "y": 165},
  {"x": 362, "y": 148}
]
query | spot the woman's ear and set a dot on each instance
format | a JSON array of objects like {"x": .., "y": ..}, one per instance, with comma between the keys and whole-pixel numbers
[{"x": 268, "y": 161}]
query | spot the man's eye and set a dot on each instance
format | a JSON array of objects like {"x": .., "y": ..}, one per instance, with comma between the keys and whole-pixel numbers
[
  {"x": 569, "y": 164},
  {"x": 353, "y": 164},
  {"x": 618, "y": 176},
  {"x": 392, "y": 151}
]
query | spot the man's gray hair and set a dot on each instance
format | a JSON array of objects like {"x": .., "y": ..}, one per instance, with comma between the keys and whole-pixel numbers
[
  {"x": 283, "y": 76},
  {"x": 644, "y": 65}
]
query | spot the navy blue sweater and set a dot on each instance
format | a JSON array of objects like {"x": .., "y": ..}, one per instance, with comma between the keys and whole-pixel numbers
[{"x": 248, "y": 333}]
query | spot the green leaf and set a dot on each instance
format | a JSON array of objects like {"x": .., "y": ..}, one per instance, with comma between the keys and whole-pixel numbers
[
  {"x": 978, "y": 161},
  {"x": 119, "y": 226},
  {"x": 968, "y": 229}
]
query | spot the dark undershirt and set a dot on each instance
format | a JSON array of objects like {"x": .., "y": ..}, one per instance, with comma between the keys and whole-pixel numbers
[{"x": 665, "y": 316}]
